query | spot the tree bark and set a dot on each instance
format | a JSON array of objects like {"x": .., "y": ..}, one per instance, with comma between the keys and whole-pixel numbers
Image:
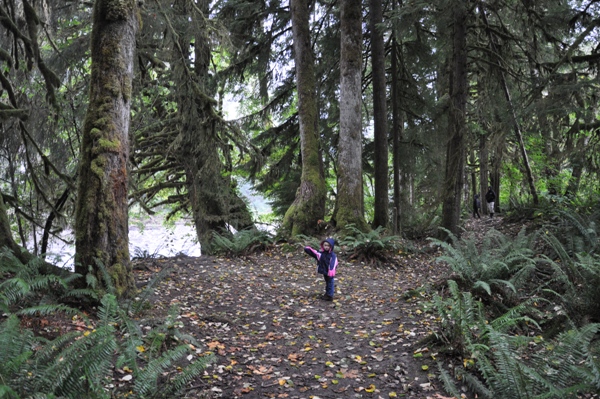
[
  {"x": 397, "y": 125},
  {"x": 381, "y": 212},
  {"x": 484, "y": 179},
  {"x": 7, "y": 241},
  {"x": 101, "y": 213},
  {"x": 210, "y": 195},
  {"x": 455, "y": 154},
  {"x": 309, "y": 205},
  {"x": 350, "y": 190},
  {"x": 6, "y": 237}
]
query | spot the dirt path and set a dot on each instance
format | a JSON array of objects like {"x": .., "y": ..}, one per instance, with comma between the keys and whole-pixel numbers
[{"x": 275, "y": 338}]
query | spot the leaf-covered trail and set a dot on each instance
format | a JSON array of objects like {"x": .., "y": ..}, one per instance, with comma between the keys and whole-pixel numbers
[{"x": 275, "y": 338}]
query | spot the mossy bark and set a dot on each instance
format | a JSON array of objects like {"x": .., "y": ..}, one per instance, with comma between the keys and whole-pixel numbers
[
  {"x": 309, "y": 205},
  {"x": 211, "y": 195},
  {"x": 101, "y": 213},
  {"x": 381, "y": 216},
  {"x": 350, "y": 191},
  {"x": 455, "y": 155},
  {"x": 6, "y": 237}
]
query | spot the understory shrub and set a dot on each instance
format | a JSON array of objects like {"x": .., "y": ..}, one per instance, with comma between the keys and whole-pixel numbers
[
  {"x": 499, "y": 265},
  {"x": 373, "y": 247},
  {"x": 523, "y": 314},
  {"x": 81, "y": 364},
  {"x": 505, "y": 359},
  {"x": 243, "y": 242}
]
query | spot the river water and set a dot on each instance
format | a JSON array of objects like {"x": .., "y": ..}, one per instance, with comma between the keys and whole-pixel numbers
[
  {"x": 151, "y": 237},
  {"x": 147, "y": 238}
]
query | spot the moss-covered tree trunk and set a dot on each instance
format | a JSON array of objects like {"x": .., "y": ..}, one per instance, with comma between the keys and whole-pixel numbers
[
  {"x": 381, "y": 215},
  {"x": 101, "y": 213},
  {"x": 211, "y": 196},
  {"x": 350, "y": 191},
  {"x": 6, "y": 237},
  {"x": 309, "y": 204},
  {"x": 455, "y": 154}
]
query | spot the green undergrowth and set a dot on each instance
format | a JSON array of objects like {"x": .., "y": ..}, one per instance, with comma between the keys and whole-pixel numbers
[
  {"x": 520, "y": 316},
  {"x": 240, "y": 243},
  {"x": 109, "y": 355}
]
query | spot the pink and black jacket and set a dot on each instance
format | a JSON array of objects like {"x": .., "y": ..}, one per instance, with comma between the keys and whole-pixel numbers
[{"x": 326, "y": 260}]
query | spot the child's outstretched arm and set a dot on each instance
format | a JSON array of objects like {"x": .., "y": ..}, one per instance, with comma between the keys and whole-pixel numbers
[{"x": 314, "y": 253}]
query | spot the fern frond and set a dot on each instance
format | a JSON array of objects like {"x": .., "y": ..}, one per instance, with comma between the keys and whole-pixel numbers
[
  {"x": 181, "y": 380},
  {"x": 146, "y": 381},
  {"x": 447, "y": 381},
  {"x": 44, "y": 310},
  {"x": 136, "y": 306}
]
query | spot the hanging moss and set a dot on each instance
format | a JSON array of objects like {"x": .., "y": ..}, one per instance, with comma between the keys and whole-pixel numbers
[{"x": 106, "y": 145}]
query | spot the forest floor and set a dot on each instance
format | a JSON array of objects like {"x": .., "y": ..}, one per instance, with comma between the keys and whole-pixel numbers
[{"x": 273, "y": 337}]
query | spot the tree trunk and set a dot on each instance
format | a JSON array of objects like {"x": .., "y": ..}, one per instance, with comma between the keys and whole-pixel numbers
[
  {"x": 455, "y": 155},
  {"x": 397, "y": 125},
  {"x": 210, "y": 195},
  {"x": 6, "y": 237},
  {"x": 101, "y": 213},
  {"x": 381, "y": 212},
  {"x": 350, "y": 191},
  {"x": 21, "y": 253},
  {"x": 309, "y": 205},
  {"x": 483, "y": 169}
]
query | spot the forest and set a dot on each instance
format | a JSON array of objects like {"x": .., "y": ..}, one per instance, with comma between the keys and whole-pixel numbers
[{"x": 380, "y": 123}]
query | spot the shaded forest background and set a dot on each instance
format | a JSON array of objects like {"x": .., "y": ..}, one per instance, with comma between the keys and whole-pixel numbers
[
  {"x": 375, "y": 122},
  {"x": 510, "y": 102}
]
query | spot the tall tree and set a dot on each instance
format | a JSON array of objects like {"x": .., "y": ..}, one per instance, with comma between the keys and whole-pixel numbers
[
  {"x": 455, "y": 154},
  {"x": 350, "y": 190},
  {"x": 381, "y": 211},
  {"x": 309, "y": 205},
  {"x": 102, "y": 213},
  {"x": 514, "y": 121}
]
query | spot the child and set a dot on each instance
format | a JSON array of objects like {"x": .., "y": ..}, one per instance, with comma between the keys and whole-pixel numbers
[
  {"x": 326, "y": 265},
  {"x": 476, "y": 206}
]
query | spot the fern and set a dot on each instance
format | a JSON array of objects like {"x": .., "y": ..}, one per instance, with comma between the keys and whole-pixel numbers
[
  {"x": 498, "y": 261},
  {"x": 372, "y": 246},
  {"x": 508, "y": 369},
  {"x": 241, "y": 243},
  {"x": 76, "y": 364},
  {"x": 181, "y": 380}
]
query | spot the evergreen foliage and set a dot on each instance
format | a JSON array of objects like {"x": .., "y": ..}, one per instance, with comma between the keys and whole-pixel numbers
[
  {"x": 498, "y": 263},
  {"x": 374, "y": 246},
  {"x": 241, "y": 243},
  {"x": 514, "y": 353},
  {"x": 81, "y": 364}
]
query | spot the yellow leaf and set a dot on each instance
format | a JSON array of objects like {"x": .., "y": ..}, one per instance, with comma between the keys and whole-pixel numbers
[
  {"x": 329, "y": 364},
  {"x": 393, "y": 395},
  {"x": 424, "y": 367},
  {"x": 140, "y": 349},
  {"x": 85, "y": 334},
  {"x": 370, "y": 388},
  {"x": 334, "y": 382},
  {"x": 282, "y": 382}
]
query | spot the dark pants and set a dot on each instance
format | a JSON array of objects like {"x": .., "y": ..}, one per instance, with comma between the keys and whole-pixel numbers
[
  {"x": 476, "y": 213},
  {"x": 329, "y": 285}
]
